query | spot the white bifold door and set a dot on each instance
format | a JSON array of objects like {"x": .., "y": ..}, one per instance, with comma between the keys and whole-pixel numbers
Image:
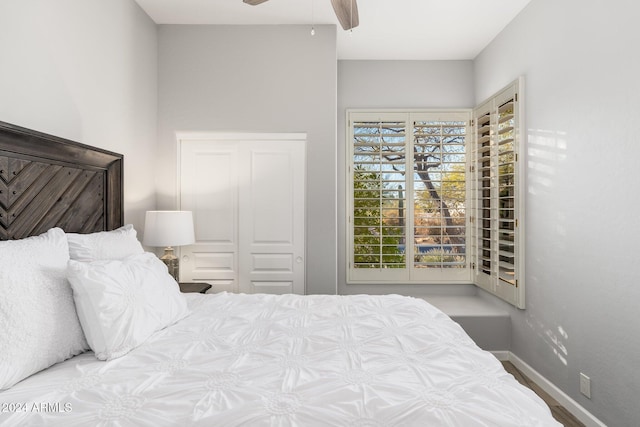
[{"x": 247, "y": 194}]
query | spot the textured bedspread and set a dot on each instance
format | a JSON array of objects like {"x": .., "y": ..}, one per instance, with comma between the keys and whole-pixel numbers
[{"x": 261, "y": 360}]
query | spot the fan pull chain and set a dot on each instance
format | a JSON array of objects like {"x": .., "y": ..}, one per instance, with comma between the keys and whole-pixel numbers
[
  {"x": 351, "y": 16},
  {"x": 313, "y": 30}
]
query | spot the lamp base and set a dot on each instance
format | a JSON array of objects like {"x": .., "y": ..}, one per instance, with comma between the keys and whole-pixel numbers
[{"x": 171, "y": 261}]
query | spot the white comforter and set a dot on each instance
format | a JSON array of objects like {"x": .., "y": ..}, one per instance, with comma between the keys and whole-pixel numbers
[{"x": 261, "y": 360}]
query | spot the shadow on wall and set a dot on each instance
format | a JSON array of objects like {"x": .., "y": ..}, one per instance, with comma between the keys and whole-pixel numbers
[
  {"x": 555, "y": 337},
  {"x": 545, "y": 150},
  {"x": 546, "y": 240}
]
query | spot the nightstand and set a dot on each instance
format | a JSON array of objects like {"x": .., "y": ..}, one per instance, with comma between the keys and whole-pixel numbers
[{"x": 195, "y": 287}]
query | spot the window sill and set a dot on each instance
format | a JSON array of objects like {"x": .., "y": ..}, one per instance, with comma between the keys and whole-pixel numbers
[{"x": 488, "y": 325}]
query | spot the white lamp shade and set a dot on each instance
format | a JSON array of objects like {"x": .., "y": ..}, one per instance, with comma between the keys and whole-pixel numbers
[{"x": 168, "y": 228}]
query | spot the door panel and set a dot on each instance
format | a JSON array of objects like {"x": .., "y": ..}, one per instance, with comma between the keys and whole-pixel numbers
[
  {"x": 272, "y": 262},
  {"x": 271, "y": 195}
]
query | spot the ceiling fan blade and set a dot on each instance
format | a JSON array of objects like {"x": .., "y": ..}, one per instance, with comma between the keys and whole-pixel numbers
[
  {"x": 347, "y": 13},
  {"x": 254, "y": 2}
]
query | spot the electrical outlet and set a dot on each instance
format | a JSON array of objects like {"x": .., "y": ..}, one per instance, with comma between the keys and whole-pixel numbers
[{"x": 585, "y": 385}]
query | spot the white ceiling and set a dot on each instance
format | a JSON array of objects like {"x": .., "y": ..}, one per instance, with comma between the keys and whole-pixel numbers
[{"x": 389, "y": 29}]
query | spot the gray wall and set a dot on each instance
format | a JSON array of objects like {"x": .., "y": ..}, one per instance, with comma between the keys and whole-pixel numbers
[
  {"x": 395, "y": 84},
  {"x": 582, "y": 92},
  {"x": 256, "y": 79},
  {"x": 85, "y": 70}
]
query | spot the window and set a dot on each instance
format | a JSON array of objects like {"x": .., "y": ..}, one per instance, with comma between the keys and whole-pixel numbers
[
  {"x": 435, "y": 196},
  {"x": 386, "y": 199}
]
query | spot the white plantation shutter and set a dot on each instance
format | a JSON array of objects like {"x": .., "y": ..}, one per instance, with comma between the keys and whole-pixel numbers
[
  {"x": 438, "y": 196},
  {"x": 484, "y": 195},
  {"x": 378, "y": 176},
  {"x": 498, "y": 226},
  {"x": 439, "y": 214},
  {"x": 408, "y": 227}
]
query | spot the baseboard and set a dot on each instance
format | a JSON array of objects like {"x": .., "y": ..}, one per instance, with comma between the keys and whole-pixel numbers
[{"x": 570, "y": 405}]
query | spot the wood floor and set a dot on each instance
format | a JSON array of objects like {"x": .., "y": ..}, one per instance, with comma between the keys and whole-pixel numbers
[{"x": 559, "y": 412}]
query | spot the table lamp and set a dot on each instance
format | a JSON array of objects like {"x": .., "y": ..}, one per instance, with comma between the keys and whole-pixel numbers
[{"x": 169, "y": 229}]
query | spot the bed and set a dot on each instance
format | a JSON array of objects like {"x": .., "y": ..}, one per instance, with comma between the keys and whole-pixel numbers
[{"x": 169, "y": 359}]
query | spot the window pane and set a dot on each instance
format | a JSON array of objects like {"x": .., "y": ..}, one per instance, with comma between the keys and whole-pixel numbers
[
  {"x": 439, "y": 191},
  {"x": 379, "y": 198}
]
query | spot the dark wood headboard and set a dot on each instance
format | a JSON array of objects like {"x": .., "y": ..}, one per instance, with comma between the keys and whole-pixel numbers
[{"x": 46, "y": 181}]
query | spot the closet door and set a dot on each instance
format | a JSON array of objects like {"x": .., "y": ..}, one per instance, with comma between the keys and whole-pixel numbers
[
  {"x": 209, "y": 184},
  {"x": 246, "y": 192},
  {"x": 271, "y": 257}
]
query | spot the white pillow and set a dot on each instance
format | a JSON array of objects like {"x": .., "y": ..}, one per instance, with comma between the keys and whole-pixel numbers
[
  {"x": 116, "y": 244},
  {"x": 121, "y": 303},
  {"x": 38, "y": 322}
]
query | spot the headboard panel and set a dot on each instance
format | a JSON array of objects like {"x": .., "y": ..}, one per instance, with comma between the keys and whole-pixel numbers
[{"x": 46, "y": 181}]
